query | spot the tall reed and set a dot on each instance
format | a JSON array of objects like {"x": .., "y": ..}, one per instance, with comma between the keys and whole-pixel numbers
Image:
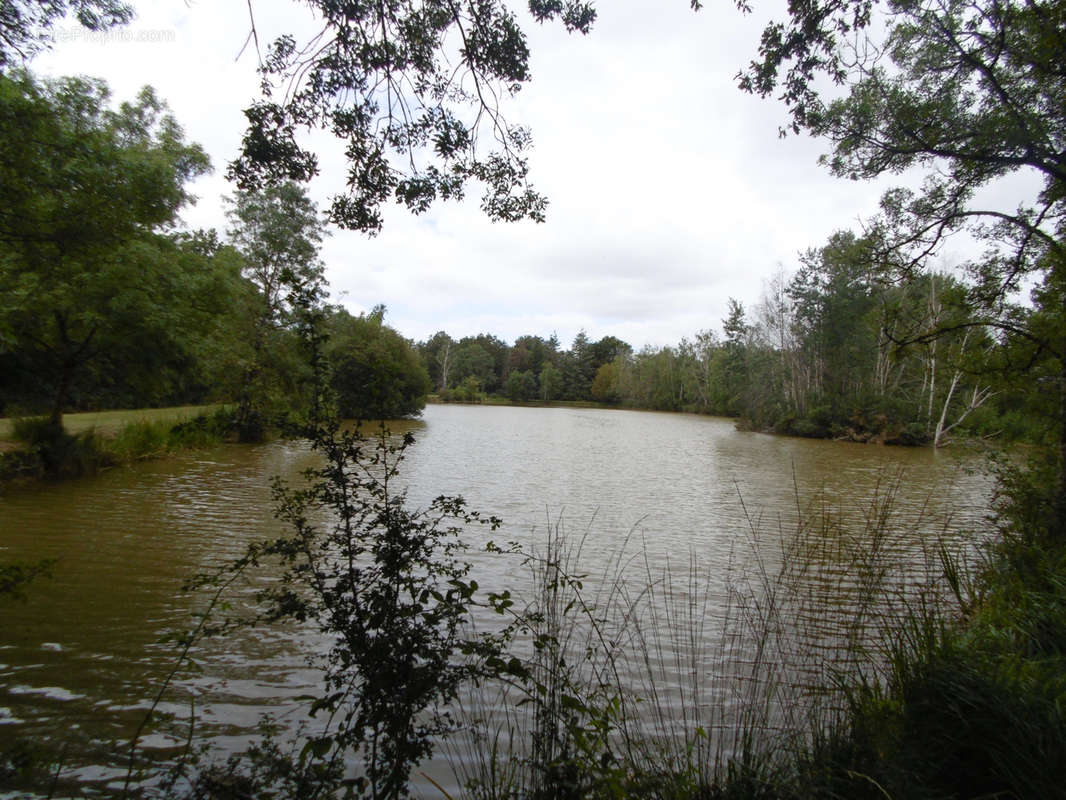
[{"x": 675, "y": 681}]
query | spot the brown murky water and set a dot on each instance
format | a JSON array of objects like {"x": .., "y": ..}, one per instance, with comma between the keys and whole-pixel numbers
[{"x": 82, "y": 660}]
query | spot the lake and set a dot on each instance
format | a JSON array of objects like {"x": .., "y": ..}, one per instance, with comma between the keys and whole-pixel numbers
[{"x": 706, "y": 513}]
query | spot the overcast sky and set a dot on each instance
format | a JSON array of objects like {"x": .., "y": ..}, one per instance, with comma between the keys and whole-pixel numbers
[{"x": 670, "y": 190}]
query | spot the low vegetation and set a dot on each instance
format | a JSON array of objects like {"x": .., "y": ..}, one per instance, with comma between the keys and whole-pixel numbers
[{"x": 40, "y": 450}]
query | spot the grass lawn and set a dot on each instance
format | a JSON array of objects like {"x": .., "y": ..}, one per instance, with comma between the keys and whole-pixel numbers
[{"x": 108, "y": 422}]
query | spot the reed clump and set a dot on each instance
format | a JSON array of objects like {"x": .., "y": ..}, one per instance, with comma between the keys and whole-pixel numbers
[
  {"x": 845, "y": 653},
  {"x": 833, "y": 669}
]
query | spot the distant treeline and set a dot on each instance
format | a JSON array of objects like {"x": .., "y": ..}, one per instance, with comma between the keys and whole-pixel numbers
[
  {"x": 108, "y": 306},
  {"x": 833, "y": 350}
]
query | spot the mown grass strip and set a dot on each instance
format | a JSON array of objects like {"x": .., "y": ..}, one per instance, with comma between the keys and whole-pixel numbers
[{"x": 108, "y": 423}]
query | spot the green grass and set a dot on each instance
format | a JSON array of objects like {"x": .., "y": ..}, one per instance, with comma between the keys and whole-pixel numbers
[
  {"x": 108, "y": 423},
  {"x": 35, "y": 450}
]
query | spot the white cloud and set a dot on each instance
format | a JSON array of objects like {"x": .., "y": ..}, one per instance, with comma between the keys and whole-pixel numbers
[{"x": 670, "y": 189}]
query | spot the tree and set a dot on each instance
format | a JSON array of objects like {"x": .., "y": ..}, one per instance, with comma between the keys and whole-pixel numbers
[
  {"x": 605, "y": 385},
  {"x": 85, "y": 188},
  {"x": 376, "y": 373},
  {"x": 521, "y": 385},
  {"x": 551, "y": 383},
  {"x": 608, "y": 349},
  {"x": 164, "y": 343},
  {"x": 25, "y": 26},
  {"x": 530, "y": 353},
  {"x": 833, "y": 299},
  {"x": 471, "y": 360},
  {"x": 735, "y": 373},
  {"x": 974, "y": 97},
  {"x": 498, "y": 351},
  {"x": 701, "y": 372},
  {"x": 437, "y": 358},
  {"x": 412, "y": 87},
  {"x": 578, "y": 368},
  {"x": 278, "y": 232},
  {"x": 968, "y": 91}
]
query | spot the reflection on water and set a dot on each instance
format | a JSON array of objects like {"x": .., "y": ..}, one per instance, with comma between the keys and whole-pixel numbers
[{"x": 81, "y": 661}]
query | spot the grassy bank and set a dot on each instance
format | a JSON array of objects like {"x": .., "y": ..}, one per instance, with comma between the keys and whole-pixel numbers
[
  {"x": 108, "y": 423},
  {"x": 33, "y": 449}
]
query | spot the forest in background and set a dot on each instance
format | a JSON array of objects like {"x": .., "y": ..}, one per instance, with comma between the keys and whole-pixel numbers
[
  {"x": 106, "y": 304},
  {"x": 837, "y": 349},
  {"x": 112, "y": 305},
  {"x": 129, "y": 312}
]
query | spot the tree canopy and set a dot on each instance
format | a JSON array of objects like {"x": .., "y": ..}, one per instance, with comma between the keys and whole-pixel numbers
[
  {"x": 969, "y": 91},
  {"x": 414, "y": 89},
  {"x": 376, "y": 374},
  {"x": 85, "y": 189},
  {"x": 25, "y": 25},
  {"x": 277, "y": 231}
]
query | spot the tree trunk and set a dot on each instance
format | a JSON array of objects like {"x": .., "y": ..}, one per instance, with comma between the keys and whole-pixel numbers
[
  {"x": 444, "y": 365},
  {"x": 944, "y": 411},
  {"x": 66, "y": 380},
  {"x": 1060, "y": 489}
]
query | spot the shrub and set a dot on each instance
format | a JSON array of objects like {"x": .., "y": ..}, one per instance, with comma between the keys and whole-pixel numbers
[
  {"x": 204, "y": 429},
  {"x": 58, "y": 454},
  {"x": 387, "y": 586},
  {"x": 913, "y": 434},
  {"x": 808, "y": 428}
]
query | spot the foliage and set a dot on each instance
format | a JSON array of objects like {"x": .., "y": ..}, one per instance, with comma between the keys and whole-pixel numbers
[
  {"x": 972, "y": 706},
  {"x": 25, "y": 25},
  {"x": 469, "y": 391},
  {"x": 605, "y": 385},
  {"x": 413, "y": 90},
  {"x": 375, "y": 373},
  {"x": 85, "y": 189},
  {"x": 551, "y": 383},
  {"x": 277, "y": 232},
  {"x": 14, "y": 577},
  {"x": 521, "y": 385},
  {"x": 184, "y": 320},
  {"x": 969, "y": 93},
  {"x": 144, "y": 440},
  {"x": 829, "y": 352},
  {"x": 387, "y": 586},
  {"x": 482, "y": 357},
  {"x": 436, "y": 354},
  {"x": 51, "y": 452},
  {"x": 532, "y": 353}
]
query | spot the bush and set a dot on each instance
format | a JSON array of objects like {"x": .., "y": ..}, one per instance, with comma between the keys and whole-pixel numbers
[
  {"x": 469, "y": 391},
  {"x": 375, "y": 373},
  {"x": 57, "y": 453},
  {"x": 808, "y": 428},
  {"x": 387, "y": 586},
  {"x": 913, "y": 434},
  {"x": 204, "y": 429}
]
